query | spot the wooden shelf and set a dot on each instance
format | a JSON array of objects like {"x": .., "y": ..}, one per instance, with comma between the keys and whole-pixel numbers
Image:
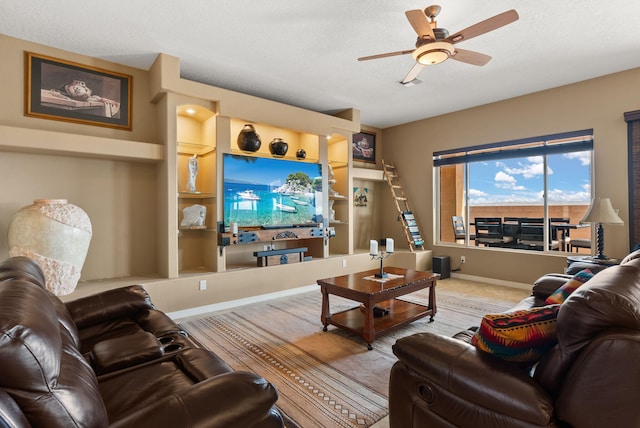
[
  {"x": 401, "y": 313},
  {"x": 291, "y": 155},
  {"x": 61, "y": 143},
  {"x": 368, "y": 174}
]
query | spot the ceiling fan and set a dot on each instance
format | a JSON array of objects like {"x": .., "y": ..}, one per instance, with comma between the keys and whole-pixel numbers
[{"x": 434, "y": 45}]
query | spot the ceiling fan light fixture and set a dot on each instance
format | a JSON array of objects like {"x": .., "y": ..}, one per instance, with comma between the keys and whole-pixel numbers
[{"x": 433, "y": 53}]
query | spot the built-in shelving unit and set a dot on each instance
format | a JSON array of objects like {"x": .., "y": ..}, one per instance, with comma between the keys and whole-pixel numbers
[
  {"x": 340, "y": 193},
  {"x": 195, "y": 127},
  {"x": 133, "y": 183},
  {"x": 212, "y": 247}
]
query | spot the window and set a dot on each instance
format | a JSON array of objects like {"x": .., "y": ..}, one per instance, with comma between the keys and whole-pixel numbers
[{"x": 538, "y": 187}]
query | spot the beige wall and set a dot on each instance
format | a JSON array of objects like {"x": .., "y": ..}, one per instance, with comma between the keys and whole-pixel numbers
[
  {"x": 120, "y": 196},
  {"x": 126, "y": 180},
  {"x": 597, "y": 103},
  {"x": 126, "y": 187}
]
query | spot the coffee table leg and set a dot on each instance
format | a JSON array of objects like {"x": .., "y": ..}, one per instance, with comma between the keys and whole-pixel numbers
[
  {"x": 369, "y": 332},
  {"x": 432, "y": 300},
  {"x": 325, "y": 315}
]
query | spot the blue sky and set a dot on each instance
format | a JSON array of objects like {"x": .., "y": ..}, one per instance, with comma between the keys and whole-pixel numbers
[{"x": 519, "y": 181}]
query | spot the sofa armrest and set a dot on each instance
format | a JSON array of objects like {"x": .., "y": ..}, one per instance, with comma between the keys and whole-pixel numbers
[
  {"x": 462, "y": 374},
  {"x": 125, "y": 351},
  {"x": 108, "y": 305},
  {"x": 578, "y": 266},
  {"x": 547, "y": 284},
  {"x": 236, "y": 399}
]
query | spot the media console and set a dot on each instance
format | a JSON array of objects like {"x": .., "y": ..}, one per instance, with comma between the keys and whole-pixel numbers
[
  {"x": 281, "y": 257},
  {"x": 249, "y": 235}
]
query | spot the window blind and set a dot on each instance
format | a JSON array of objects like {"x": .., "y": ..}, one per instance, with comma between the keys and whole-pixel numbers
[{"x": 575, "y": 141}]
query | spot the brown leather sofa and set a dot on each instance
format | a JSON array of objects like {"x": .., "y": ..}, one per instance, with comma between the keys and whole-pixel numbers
[
  {"x": 112, "y": 359},
  {"x": 590, "y": 378}
]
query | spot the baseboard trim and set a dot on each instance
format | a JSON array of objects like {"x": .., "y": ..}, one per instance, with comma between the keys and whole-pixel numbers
[
  {"x": 200, "y": 310},
  {"x": 493, "y": 281}
]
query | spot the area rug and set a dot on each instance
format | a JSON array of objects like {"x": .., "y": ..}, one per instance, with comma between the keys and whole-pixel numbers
[{"x": 329, "y": 379}]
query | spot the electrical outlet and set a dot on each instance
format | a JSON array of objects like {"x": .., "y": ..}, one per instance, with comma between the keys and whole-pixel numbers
[
  {"x": 463, "y": 259},
  {"x": 344, "y": 263},
  {"x": 203, "y": 284}
]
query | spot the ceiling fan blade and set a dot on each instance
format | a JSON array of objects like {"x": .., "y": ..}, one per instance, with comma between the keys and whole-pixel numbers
[
  {"x": 419, "y": 22},
  {"x": 413, "y": 73},
  {"x": 485, "y": 26},
  {"x": 470, "y": 57},
  {"x": 384, "y": 55}
]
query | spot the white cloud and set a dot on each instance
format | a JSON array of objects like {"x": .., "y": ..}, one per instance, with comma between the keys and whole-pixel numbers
[
  {"x": 506, "y": 181},
  {"x": 583, "y": 157},
  {"x": 504, "y": 178},
  {"x": 477, "y": 193},
  {"x": 534, "y": 168},
  {"x": 558, "y": 195}
]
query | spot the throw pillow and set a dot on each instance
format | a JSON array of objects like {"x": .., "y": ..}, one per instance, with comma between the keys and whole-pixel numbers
[
  {"x": 521, "y": 336},
  {"x": 561, "y": 294}
]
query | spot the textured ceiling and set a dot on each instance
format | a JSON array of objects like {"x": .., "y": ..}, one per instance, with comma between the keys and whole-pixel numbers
[{"x": 304, "y": 52}]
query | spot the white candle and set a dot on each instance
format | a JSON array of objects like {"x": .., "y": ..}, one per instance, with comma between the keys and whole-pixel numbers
[
  {"x": 389, "y": 245},
  {"x": 373, "y": 247},
  {"x": 234, "y": 227}
]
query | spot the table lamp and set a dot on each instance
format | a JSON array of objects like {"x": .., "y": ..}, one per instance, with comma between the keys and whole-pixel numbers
[{"x": 601, "y": 212}]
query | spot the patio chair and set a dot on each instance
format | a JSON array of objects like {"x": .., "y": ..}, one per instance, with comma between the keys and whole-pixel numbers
[
  {"x": 489, "y": 232},
  {"x": 561, "y": 233},
  {"x": 511, "y": 228},
  {"x": 579, "y": 243},
  {"x": 459, "y": 230},
  {"x": 532, "y": 234}
]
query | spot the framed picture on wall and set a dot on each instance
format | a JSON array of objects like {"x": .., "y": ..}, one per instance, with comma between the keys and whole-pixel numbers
[
  {"x": 63, "y": 90},
  {"x": 364, "y": 147}
]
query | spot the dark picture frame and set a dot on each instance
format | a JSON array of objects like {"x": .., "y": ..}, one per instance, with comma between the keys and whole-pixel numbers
[
  {"x": 63, "y": 90},
  {"x": 364, "y": 147}
]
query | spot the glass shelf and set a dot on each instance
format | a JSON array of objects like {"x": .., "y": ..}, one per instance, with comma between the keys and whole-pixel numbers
[
  {"x": 190, "y": 195},
  {"x": 194, "y": 148}
]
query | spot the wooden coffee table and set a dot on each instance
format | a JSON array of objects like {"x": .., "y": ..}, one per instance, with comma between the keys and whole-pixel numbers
[{"x": 360, "y": 287}]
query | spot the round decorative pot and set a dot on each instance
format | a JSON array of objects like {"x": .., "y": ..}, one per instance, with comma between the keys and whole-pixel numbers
[
  {"x": 301, "y": 154},
  {"x": 248, "y": 139},
  {"x": 56, "y": 235},
  {"x": 278, "y": 147}
]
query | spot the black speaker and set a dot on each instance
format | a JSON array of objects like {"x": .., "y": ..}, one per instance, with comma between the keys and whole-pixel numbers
[{"x": 442, "y": 265}]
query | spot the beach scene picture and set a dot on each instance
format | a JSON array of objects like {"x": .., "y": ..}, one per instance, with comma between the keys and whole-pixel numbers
[{"x": 271, "y": 192}]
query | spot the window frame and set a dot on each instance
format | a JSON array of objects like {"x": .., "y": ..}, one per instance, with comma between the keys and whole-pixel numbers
[{"x": 559, "y": 143}]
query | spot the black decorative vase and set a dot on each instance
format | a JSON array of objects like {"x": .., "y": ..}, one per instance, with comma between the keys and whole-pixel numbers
[
  {"x": 278, "y": 147},
  {"x": 248, "y": 139},
  {"x": 301, "y": 154}
]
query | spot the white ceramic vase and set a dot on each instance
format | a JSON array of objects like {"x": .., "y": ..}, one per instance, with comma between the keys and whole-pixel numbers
[{"x": 56, "y": 235}]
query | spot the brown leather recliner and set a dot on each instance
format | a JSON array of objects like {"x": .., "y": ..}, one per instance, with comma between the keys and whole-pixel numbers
[
  {"x": 47, "y": 381},
  {"x": 591, "y": 378}
]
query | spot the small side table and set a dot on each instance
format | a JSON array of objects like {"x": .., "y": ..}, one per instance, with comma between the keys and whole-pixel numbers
[{"x": 593, "y": 260}]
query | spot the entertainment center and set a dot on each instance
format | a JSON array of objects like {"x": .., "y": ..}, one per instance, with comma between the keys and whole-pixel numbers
[
  {"x": 258, "y": 202},
  {"x": 135, "y": 185}
]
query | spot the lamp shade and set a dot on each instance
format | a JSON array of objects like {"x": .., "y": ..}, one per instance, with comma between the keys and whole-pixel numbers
[{"x": 601, "y": 211}]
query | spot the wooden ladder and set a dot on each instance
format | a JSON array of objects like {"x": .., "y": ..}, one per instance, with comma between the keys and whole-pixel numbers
[{"x": 405, "y": 215}]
